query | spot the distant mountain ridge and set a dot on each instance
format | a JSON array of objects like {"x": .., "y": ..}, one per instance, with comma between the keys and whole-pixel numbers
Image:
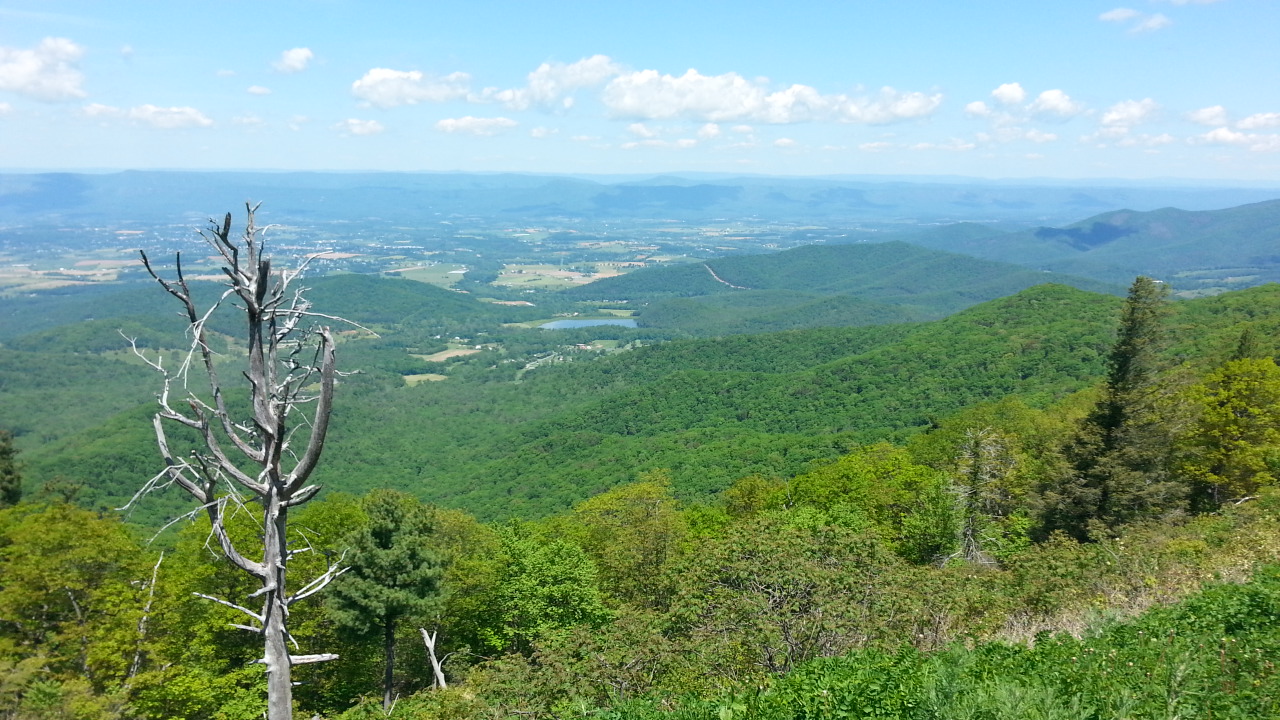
[
  {"x": 157, "y": 196},
  {"x": 816, "y": 285},
  {"x": 1198, "y": 252}
]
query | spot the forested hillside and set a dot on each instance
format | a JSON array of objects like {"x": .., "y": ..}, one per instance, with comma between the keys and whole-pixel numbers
[
  {"x": 1058, "y": 502},
  {"x": 817, "y": 285}
]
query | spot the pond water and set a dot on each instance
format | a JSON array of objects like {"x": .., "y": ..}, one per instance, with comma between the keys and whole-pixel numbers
[{"x": 564, "y": 324}]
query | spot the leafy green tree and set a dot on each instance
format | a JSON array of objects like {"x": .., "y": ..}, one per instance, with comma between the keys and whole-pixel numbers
[
  {"x": 881, "y": 483},
  {"x": 393, "y": 575},
  {"x": 545, "y": 584},
  {"x": 1234, "y": 448},
  {"x": 633, "y": 533},
  {"x": 1120, "y": 459}
]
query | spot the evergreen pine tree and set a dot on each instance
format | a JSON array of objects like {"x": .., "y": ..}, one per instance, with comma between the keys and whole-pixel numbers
[
  {"x": 1118, "y": 467},
  {"x": 10, "y": 478},
  {"x": 393, "y": 575}
]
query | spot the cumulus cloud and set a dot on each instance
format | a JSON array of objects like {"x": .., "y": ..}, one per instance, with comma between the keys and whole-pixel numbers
[
  {"x": 5, "y": 109},
  {"x": 1147, "y": 141},
  {"x": 953, "y": 145},
  {"x": 258, "y": 90},
  {"x": 293, "y": 61},
  {"x": 1141, "y": 22},
  {"x": 248, "y": 120},
  {"x": 785, "y": 143},
  {"x": 1259, "y": 120},
  {"x": 709, "y": 131},
  {"x": 1256, "y": 142},
  {"x": 47, "y": 73},
  {"x": 978, "y": 109},
  {"x": 100, "y": 110},
  {"x": 1119, "y": 15},
  {"x": 354, "y": 126},
  {"x": 681, "y": 144},
  {"x": 880, "y": 146},
  {"x": 551, "y": 84},
  {"x": 641, "y": 130},
  {"x": 476, "y": 126},
  {"x": 386, "y": 88},
  {"x": 542, "y": 132},
  {"x": 1009, "y": 94},
  {"x": 1153, "y": 22},
  {"x": 1056, "y": 103},
  {"x": 1213, "y": 116},
  {"x": 1130, "y": 113},
  {"x": 169, "y": 118},
  {"x": 650, "y": 95}
]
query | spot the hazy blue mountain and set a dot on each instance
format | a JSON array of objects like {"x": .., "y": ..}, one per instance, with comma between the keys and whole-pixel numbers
[
  {"x": 816, "y": 285},
  {"x": 1196, "y": 251},
  {"x": 154, "y": 196}
]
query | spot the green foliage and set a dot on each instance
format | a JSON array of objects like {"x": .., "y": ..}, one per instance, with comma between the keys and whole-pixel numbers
[
  {"x": 10, "y": 477},
  {"x": 633, "y": 533},
  {"x": 1120, "y": 460},
  {"x": 1234, "y": 448},
  {"x": 544, "y": 585}
]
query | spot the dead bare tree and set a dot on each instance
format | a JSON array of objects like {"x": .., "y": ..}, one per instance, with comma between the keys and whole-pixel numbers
[{"x": 290, "y": 369}]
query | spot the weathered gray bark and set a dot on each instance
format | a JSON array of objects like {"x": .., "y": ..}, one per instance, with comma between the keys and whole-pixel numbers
[
  {"x": 437, "y": 668},
  {"x": 291, "y": 365}
]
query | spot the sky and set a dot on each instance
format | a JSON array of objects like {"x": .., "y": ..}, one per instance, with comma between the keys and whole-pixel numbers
[{"x": 1070, "y": 89}]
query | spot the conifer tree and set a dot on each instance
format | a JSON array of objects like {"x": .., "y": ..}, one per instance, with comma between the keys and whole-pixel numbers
[
  {"x": 1234, "y": 448},
  {"x": 393, "y": 575},
  {"x": 10, "y": 478},
  {"x": 1118, "y": 467}
]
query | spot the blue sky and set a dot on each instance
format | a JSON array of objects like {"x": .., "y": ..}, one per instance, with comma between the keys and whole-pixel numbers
[{"x": 1051, "y": 88}]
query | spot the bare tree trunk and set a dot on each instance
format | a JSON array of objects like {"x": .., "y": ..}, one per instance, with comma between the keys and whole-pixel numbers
[
  {"x": 286, "y": 361},
  {"x": 429, "y": 639}
]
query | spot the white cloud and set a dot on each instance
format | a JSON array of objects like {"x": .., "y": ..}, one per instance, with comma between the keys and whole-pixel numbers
[
  {"x": 354, "y": 126},
  {"x": 386, "y": 88},
  {"x": 681, "y": 144},
  {"x": 542, "y": 132},
  {"x": 1269, "y": 142},
  {"x": 47, "y": 73},
  {"x": 977, "y": 108},
  {"x": 1009, "y": 94},
  {"x": 1213, "y": 116},
  {"x": 1037, "y": 136},
  {"x": 5, "y": 108},
  {"x": 785, "y": 143},
  {"x": 100, "y": 110},
  {"x": 1152, "y": 23},
  {"x": 295, "y": 60},
  {"x": 476, "y": 126},
  {"x": 169, "y": 118},
  {"x": 258, "y": 90},
  {"x": 875, "y": 146},
  {"x": 1129, "y": 113},
  {"x": 225, "y": 73},
  {"x": 709, "y": 131},
  {"x": 1119, "y": 15},
  {"x": 297, "y": 121},
  {"x": 743, "y": 129},
  {"x": 248, "y": 120},
  {"x": 1055, "y": 102},
  {"x": 641, "y": 130},
  {"x": 953, "y": 145},
  {"x": 649, "y": 95},
  {"x": 1147, "y": 140},
  {"x": 1259, "y": 120},
  {"x": 551, "y": 83}
]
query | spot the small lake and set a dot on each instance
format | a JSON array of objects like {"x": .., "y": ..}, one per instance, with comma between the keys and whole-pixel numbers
[{"x": 565, "y": 324}]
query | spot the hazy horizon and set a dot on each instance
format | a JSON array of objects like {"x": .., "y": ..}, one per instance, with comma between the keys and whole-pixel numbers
[{"x": 1079, "y": 92}]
